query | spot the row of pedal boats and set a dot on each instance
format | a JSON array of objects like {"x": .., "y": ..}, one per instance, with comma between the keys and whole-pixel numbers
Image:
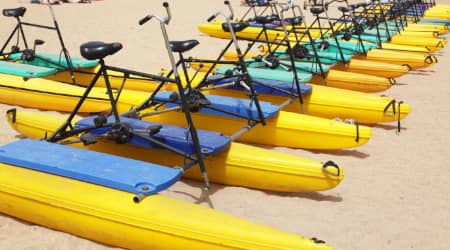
[{"x": 48, "y": 196}]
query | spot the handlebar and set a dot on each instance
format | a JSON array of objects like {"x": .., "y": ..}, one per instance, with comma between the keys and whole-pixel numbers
[
  {"x": 226, "y": 2},
  {"x": 290, "y": 5},
  {"x": 145, "y": 19},
  {"x": 229, "y": 17},
  {"x": 165, "y": 20},
  {"x": 211, "y": 18}
]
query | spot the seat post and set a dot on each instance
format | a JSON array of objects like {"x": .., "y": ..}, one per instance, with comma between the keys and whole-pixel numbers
[
  {"x": 266, "y": 36},
  {"x": 185, "y": 72},
  {"x": 20, "y": 32},
  {"x": 112, "y": 100},
  {"x": 320, "y": 26},
  {"x": 333, "y": 32},
  {"x": 351, "y": 18},
  {"x": 19, "y": 23},
  {"x": 307, "y": 32}
]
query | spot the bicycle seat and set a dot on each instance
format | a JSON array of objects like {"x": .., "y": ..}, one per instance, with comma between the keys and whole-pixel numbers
[
  {"x": 266, "y": 19},
  {"x": 362, "y": 4},
  {"x": 14, "y": 12},
  {"x": 182, "y": 46},
  {"x": 342, "y": 9},
  {"x": 236, "y": 26},
  {"x": 316, "y": 10},
  {"x": 354, "y": 6},
  {"x": 294, "y": 20},
  {"x": 99, "y": 50}
]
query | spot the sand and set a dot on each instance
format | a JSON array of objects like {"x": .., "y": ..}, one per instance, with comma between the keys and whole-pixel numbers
[{"x": 394, "y": 195}]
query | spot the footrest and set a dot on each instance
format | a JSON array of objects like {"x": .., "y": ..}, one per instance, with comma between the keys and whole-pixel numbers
[
  {"x": 235, "y": 105},
  {"x": 98, "y": 168},
  {"x": 174, "y": 136},
  {"x": 25, "y": 70}
]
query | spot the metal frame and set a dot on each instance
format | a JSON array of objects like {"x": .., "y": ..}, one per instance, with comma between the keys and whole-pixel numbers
[
  {"x": 194, "y": 90},
  {"x": 67, "y": 130},
  {"x": 20, "y": 32}
]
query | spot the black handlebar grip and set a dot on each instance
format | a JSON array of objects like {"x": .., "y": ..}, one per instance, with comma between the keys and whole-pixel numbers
[
  {"x": 226, "y": 2},
  {"x": 211, "y": 18},
  {"x": 144, "y": 20},
  {"x": 166, "y": 4}
]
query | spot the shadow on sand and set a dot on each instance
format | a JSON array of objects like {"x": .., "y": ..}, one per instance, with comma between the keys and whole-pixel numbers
[
  {"x": 342, "y": 152},
  {"x": 204, "y": 196}
]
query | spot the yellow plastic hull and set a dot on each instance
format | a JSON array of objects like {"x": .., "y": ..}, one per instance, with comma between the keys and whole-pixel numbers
[
  {"x": 366, "y": 67},
  {"x": 399, "y": 47},
  {"x": 439, "y": 12},
  {"x": 240, "y": 165},
  {"x": 338, "y": 103},
  {"x": 333, "y": 103},
  {"x": 287, "y": 129},
  {"x": 42, "y": 94},
  {"x": 324, "y": 101},
  {"x": 343, "y": 79},
  {"x": 428, "y": 27},
  {"x": 403, "y": 42},
  {"x": 416, "y": 29},
  {"x": 373, "y": 68},
  {"x": 418, "y": 33},
  {"x": 412, "y": 60},
  {"x": 353, "y": 81},
  {"x": 214, "y": 29},
  {"x": 110, "y": 216},
  {"x": 85, "y": 76},
  {"x": 283, "y": 130},
  {"x": 430, "y": 43}
]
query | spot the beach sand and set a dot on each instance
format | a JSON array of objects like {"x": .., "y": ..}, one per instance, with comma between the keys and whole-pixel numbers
[{"x": 395, "y": 194}]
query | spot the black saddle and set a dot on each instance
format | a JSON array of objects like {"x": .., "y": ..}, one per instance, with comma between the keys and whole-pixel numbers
[
  {"x": 342, "y": 9},
  {"x": 98, "y": 50},
  {"x": 236, "y": 26},
  {"x": 362, "y": 4},
  {"x": 266, "y": 19},
  {"x": 17, "y": 12},
  {"x": 182, "y": 46},
  {"x": 357, "y": 5},
  {"x": 316, "y": 10},
  {"x": 294, "y": 20}
]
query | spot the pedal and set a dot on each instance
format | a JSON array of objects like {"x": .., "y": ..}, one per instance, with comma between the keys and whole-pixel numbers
[
  {"x": 88, "y": 139},
  {"x": 100, "y": 120},
  {"x": 174, "y": 97},
  {"x": 120, "y": 132},
  {"x": 15, "y": 49},
  {"x": 229, "y": 73},
  {"x": 154, "y": 129},
  {"x": 28, "y": 55}
]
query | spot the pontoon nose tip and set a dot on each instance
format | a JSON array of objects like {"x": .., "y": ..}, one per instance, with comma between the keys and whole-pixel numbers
[
  {"x": 364, "y": 134},
  {"x": 319, "y": 244},
  {"x": 333, "y": 170},
  {"x": 404, "y": 109}
]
